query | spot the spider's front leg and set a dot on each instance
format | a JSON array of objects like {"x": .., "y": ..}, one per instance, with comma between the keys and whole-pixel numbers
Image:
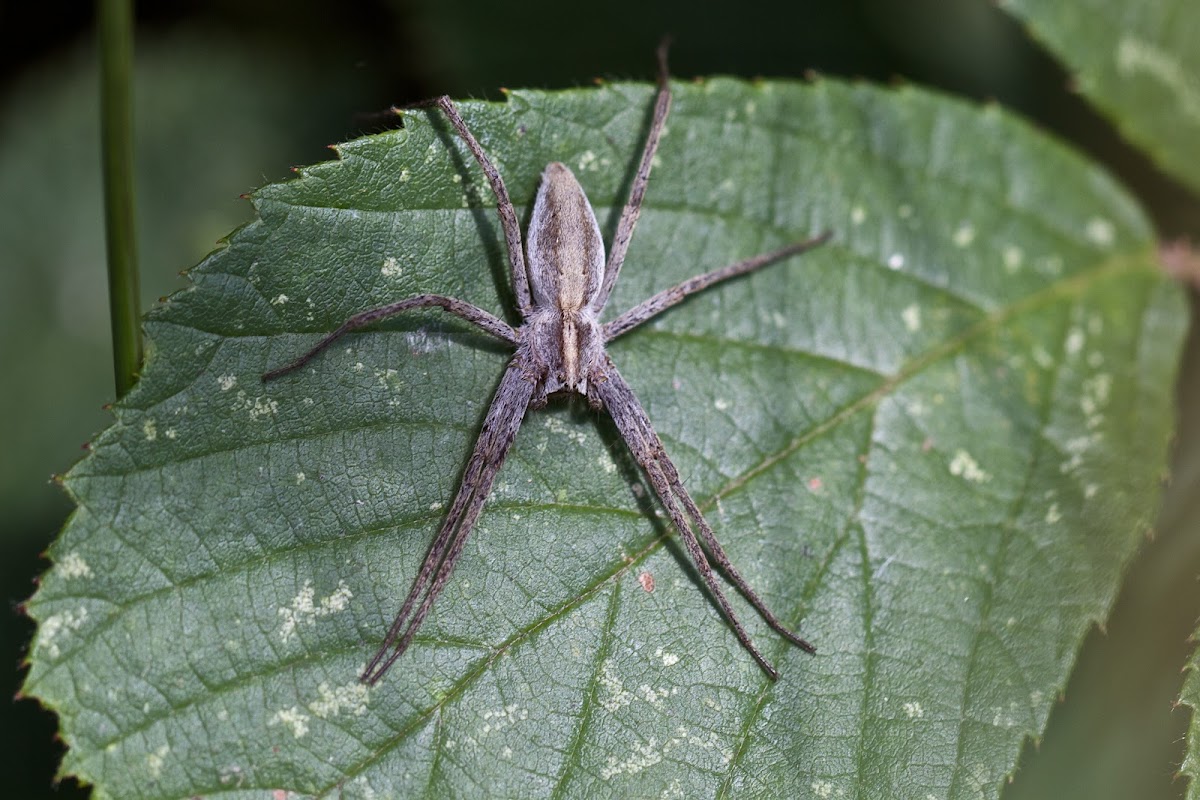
[{"x": 473, "y": 314}]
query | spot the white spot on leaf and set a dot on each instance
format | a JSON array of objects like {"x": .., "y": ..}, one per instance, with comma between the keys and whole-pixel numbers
[
  {"x": 294, "y": 718},
  {"x": 1013, "y": 257},
  {"x": 912, "y": 318},
  {"x": 155, "y": 761},
  {"x": 305, "y": 609},
  {"x": 1075, "y": 340},
  {"x": 391, "y": 268},
  {"x": 614, "y": 696},
  {"x": 964, "y": 235},
  {"x": 73, "y": 566},
  {"x": 643, "y": 756},
  {"x": 1100, "y": 231},
  {"x": 258, "y": 407},
  {"x": 350, "y": 698},
  {"x": 964, "y": 466},
  {"x": 653, "y": 696},
  {"x": 668, "y": 659},
  {"x": 504, "y": 717},
  {"x": 54, "y": 626}
]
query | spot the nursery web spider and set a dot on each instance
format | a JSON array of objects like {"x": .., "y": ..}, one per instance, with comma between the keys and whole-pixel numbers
[{"x": 560, "y": 347}]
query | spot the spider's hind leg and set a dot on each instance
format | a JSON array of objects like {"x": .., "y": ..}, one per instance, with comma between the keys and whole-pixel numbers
[{"x": 635, "y": 428}]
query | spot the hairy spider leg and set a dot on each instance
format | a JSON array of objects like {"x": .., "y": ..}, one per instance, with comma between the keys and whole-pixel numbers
[
  {"x": 473, "y": 314},
  {"x": 504, "y": 206},
  {"x": 500, "y": 427},
  {"x": 648, "y": 309},
  {"x": 637, "y": 192},
  {"x": 634, "y": 426}
]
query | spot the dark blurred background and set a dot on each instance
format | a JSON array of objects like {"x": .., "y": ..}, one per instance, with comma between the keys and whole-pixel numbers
[{"x": 228, "y": 95}]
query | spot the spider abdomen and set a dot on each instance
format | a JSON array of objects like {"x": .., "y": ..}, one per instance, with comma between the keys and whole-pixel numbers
[
  {"x": 566, "y": 252},
  {"x": 566, "y": 270}
]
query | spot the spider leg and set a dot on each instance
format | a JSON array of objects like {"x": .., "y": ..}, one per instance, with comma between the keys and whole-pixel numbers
[
  {"x": 504, "y": 206},
  {"x": 723, "y": 563},
  {"x": 660, "y": 302},
  {"x": 633, "y": 206},
  {"x": 473, "y": 314},
  {"x": 635, "y": 428},
  {"x": 500, "y": 428}
]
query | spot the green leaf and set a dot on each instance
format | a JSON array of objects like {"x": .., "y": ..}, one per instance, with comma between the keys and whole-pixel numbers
[
  {"x": 1190, "y": 697},
  {"x": 932, "y": 446},
  {"x": 1137, "y": 62}
]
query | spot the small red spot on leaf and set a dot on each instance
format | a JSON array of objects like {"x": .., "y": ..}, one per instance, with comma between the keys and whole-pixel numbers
[
  {"x": 647, "y": 581},
  {"x": 815, "y": 484}
]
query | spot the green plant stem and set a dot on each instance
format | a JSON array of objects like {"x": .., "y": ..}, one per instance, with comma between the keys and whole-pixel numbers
[{"x": 116, "y": 113}]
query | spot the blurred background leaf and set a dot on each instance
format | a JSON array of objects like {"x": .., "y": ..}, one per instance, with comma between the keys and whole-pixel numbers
[
  {"x": 214, "y": 121},
  {"x": 1138, "y": 63}
]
